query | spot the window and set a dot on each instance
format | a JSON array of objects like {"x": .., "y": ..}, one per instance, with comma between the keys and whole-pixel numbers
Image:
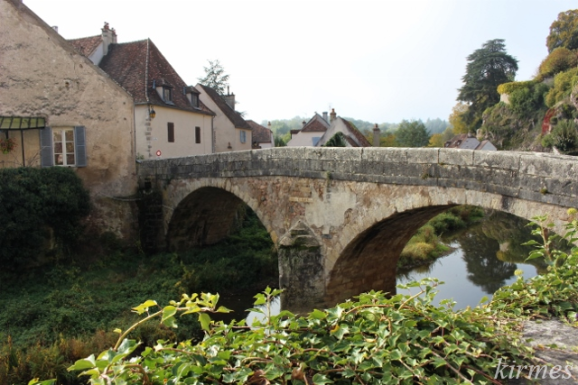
[
  {"x": 315, "y": 140},
  {"x": 63, "y": 146},
  {"x": 171, "y": 132},
  {"x": 243, "y": 136},
  {"x": 167, "y": 96},
  {"x": 195, "y": 100},
  {"x": 197, "y": 134}
]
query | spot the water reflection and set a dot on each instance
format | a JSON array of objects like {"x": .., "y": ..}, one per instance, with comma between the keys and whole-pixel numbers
[{"x": 485, "y": 259}]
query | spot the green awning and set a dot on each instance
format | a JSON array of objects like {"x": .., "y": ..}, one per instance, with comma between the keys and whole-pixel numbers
[{"x": 21, "y": 123}]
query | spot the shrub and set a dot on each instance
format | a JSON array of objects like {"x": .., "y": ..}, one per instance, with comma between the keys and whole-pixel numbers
[
  {"x": 564, "y": 82},
  {"x": 508, "y": 88},
  {"x": 524, "y": 101},
  {"x": 447, "y": 222},
  {"x": 559, "y": 60},
  {"x": 565, "y": 136},
  {"x": 39, "y": 205}
]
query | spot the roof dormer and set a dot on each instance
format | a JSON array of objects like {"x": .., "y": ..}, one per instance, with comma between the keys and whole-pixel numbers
[
  {"x": 193, "y": 96},
  {"x": 164, "y": 90}
]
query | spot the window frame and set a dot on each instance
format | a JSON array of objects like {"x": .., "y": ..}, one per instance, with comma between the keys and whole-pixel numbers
[{"x": 243, "y": 136}]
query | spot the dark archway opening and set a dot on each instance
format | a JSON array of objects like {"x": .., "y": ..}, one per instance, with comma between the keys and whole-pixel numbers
[{"x": 224, "y": 247}]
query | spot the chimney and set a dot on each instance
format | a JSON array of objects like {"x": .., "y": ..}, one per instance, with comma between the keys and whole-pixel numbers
[
  {"x": 332, "y": 115},
  {"x": 325, "y": 116},
  {"x": 230, "y": 99},
  {"x": 108, "y": 37},
  {"x": 304, "y": 123},
  {"x": 376, "y": 133}
]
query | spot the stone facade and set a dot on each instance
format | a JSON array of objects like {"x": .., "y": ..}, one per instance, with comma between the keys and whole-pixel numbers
[
  {"x": 361, "y": 204},
  {"x": 42, "y": 75}
]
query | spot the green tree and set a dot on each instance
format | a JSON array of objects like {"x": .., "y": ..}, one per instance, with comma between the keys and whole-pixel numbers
[
  {"x": 564, "y": 31},
  {"x": 337, "y": 140},
  {"x": 487, "y": 68},
  {"x": 412, "y": 134},
  {"x": 215, "y": 77}
]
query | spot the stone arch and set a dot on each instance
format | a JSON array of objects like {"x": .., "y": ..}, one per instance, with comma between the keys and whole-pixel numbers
[
  {"x": 368, "y": 260},
  {"x": 204, "y": 216}
]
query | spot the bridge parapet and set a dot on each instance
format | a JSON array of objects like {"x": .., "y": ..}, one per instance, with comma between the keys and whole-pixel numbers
[{"x": 535, "y": 177}]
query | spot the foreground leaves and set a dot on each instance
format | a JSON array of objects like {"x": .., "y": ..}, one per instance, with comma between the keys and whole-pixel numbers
[{"x": 375, "y": 339}]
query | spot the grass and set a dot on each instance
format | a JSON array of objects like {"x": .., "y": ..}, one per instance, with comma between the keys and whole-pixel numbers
[{"x": 54, "y": 315}]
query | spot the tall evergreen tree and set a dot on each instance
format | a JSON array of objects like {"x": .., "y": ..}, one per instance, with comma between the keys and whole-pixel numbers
[
  {"x": 215, "y": 77},
  {"x": 487, "y": 68}
]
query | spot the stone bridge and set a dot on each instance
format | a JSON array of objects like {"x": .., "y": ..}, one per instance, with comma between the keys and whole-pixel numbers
[{"x": 340, "y": 217}]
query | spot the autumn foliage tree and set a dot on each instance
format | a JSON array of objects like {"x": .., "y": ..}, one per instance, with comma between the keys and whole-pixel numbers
[{"x": 564, "y": 31}]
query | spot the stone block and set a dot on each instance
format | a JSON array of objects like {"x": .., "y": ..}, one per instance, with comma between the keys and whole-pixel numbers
[
  {"x": 497, "y": 159},
  {"x": 549, "y": 166},
  {"x": 422, "y": 155},
  {"x": 455, "y": 156}
]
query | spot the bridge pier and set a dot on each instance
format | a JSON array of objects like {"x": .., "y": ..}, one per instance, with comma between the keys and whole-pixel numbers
[{"x": 301, "y": 272}]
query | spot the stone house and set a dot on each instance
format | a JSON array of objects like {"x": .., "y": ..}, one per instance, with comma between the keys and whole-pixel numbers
[
  {"x": 353, "y": 137},
  {"x": 262, "y": 136},
  {"x": 170, "y": 119},
  {"x": 230, "y": 131},
  {"x": 311, "y": 132},
  {"x": 63, "y": 111}
]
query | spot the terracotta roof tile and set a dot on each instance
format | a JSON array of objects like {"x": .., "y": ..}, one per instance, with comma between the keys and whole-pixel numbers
[
  {"x": 86, "y": 45},
  {"x": 359, "y": 137},
  {"x": 127, "y": 64},
  {"x": 230, "y": 113},
  {"x": 315, "y": 124},
  {"x": 260, "y": 133}
]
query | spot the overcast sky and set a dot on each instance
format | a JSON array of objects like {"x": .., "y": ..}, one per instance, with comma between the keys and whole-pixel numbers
[{"x": 380, "y": 61}]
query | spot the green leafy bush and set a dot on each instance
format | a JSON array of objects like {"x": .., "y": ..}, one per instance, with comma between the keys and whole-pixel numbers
[
  {"x": 524, "y": 101},
  {"x": 559, "y": 60},
  {"x": 564, "y": 82},
  {"x": 39, "y": 205},
  {"x": 564, "y": 136}
]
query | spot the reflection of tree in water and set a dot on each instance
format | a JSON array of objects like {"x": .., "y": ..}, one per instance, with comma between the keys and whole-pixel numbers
[{"x": 484, "y": 269}]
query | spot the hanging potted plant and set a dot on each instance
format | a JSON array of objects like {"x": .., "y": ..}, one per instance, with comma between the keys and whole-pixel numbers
[{"x": 7, "y": 145}]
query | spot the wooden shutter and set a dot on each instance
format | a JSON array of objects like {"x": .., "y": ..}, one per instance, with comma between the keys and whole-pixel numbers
[
  {"x": 46, "y": 149},
  {"x": 80, "y": 146},
  {"x": 197, "y": 134},
  {"x": 171, "y": 132}
]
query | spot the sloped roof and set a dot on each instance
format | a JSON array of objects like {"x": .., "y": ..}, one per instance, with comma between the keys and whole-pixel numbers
[
  {"x": 260, "y": 134},
  {"x": 316, "y": 124},
  {"x": 127, "y": 64},
  {"x": 466, "y": 141},
  {"x": 230, "y": 113},
  {"x": 86, "y": 45},
  {"x": 359, "y": 138}
]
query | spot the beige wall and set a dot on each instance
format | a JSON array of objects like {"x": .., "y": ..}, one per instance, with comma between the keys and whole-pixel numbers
[
  {"x": 304, "y": 139},
  {"x": 42, "y": 75},
  {"x": 152, "y": 135},
  {"x": 225, "y": 133}
]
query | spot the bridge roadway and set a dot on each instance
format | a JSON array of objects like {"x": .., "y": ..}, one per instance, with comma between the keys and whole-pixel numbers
[{"x": 340, "y": 217}]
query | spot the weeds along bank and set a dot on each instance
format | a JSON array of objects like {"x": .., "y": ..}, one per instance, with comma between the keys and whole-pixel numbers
[{"x": 61, "y": 311}]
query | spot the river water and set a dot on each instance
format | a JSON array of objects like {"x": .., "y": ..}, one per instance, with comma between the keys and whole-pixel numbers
[{"x": 484, "y": 258}]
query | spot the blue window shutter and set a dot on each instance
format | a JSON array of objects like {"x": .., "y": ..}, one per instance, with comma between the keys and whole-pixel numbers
[
  {"x": 80, "y": 145},
  {"x": 46, "y": 150}
]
